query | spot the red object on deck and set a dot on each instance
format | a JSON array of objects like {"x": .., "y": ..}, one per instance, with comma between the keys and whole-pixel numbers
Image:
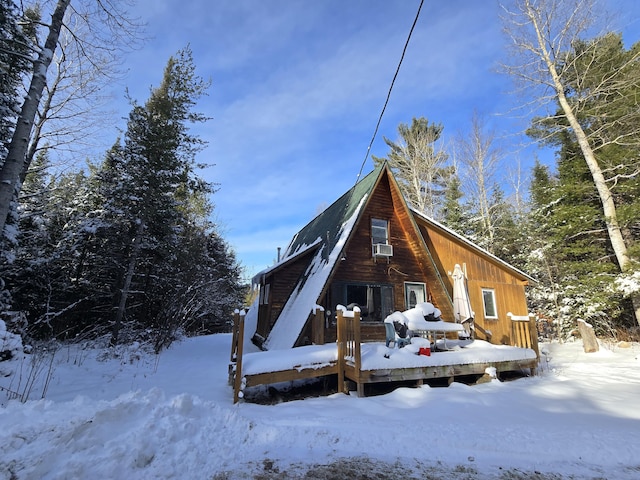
[{"x": 425, "y": 351}]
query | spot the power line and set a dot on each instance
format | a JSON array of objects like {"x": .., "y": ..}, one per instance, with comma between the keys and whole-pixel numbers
[{"x": 375, "y": 132}]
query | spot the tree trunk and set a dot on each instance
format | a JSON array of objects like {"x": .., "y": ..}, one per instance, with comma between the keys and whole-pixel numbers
[
  {"x": 14, "y": 164},
  {"x": 126, "y": 285},
  {"x": 606, "y": 197}
]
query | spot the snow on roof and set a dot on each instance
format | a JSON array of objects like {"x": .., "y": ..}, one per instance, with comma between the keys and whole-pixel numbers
[{"x": 296, "y": 311}]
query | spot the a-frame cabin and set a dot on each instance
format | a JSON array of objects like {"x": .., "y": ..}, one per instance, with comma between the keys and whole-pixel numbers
[{"x": 369, "y": 248}]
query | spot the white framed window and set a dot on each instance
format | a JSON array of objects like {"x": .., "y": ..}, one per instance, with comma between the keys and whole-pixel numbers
[
  {"x": 379, "y": 231},
  {"x": 489, "y": 301},
  {"x": 414, "y": 293}
]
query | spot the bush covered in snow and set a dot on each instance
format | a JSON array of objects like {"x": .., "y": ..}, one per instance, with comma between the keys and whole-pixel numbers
[{"x": 10, "y": 349}]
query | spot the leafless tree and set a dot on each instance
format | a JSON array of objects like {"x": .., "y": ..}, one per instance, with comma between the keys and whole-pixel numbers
[
  {"x": 479, "y": 158},
  {"x": 543, "y": 34},
  {"x": 73, "y": 108},
  {"x": 84, "y": 40}
]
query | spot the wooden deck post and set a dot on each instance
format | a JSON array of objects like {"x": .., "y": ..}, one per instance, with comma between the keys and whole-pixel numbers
[
  {"x": 234, "y": 335},
  {"x": 533, "y": 332},
  {"x": 341, "y": 349},
  {"x": 317, "y": 326},
  {"x": 357, "y": 351},
  {"x": 234, "y": 346},
  {"x": 237, "y": 369},
  {"x": 348, "y": 333}
]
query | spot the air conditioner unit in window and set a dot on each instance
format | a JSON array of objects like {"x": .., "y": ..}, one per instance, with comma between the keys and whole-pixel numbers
[{"x": 382, "y": 250}]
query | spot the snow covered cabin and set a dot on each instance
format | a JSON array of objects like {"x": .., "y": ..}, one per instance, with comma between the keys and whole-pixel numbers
[{"x": 370, "y": 249}]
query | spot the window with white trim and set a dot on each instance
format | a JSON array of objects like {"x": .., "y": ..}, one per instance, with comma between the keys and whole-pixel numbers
[
  {"x": 489, "y": 301},
  {"x": 414, "y": 293},
  {"x": 379, "y": 231}
]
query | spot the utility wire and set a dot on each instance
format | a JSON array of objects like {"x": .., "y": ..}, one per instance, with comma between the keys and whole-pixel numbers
[{"x": 389, "y": 93}]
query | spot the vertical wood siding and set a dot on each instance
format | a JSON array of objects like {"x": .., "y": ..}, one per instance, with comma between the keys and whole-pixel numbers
[
  {"x": 409, "y": 263},
  {"x": 482, "y": 272}
]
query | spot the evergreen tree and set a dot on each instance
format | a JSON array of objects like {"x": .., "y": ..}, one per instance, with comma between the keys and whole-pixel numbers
[
  {"x": 129, "y": 250},
  {"x": 454, "y": 213},
  {"x": 589, "y": 80},
  {"x": 418, "y": 165},
  {"x": 157, "y": 159},
  {"x": 586, "y": 261},
  {"x": 16, "y": 41},
  {"x": 14, "y": 64}
]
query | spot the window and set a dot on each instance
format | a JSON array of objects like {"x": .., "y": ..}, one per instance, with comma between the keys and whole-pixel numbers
[
  {"x": 379, "y": 231},
  {"x": 264, "y": 294},
  {"x": 489, "y": 300},
  {"x": 414, "y": 293}
]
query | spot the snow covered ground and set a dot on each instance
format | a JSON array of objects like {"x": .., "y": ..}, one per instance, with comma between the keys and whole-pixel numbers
[{"x": 145, "y": 417}]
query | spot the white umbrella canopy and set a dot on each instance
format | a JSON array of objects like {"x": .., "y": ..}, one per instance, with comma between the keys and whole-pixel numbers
[{"x": 461, "y": 305}]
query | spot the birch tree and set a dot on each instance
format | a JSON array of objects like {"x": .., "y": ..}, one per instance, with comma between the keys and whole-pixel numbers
[
  {"x": 107, "y": 29},
  {"x": 14, "y": 163},
  {"x": 543, "y": 35},
  {"x": 479, "y": 159}
]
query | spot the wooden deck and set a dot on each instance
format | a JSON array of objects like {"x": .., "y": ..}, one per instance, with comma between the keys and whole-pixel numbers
[{"x": 365, "y": 363}]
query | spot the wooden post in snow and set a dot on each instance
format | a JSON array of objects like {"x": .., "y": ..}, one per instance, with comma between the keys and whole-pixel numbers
[
  {"x": 237, "y": 377},
  {"x": 341, "y": 350},
  {"x": 317, "y": 325}
]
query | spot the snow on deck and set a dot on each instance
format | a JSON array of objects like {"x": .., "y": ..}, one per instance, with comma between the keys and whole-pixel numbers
[{"x": 373, "y": 356}]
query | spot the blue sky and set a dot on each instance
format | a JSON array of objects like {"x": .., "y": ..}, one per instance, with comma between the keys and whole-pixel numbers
[{"x": 297, "y": 88}]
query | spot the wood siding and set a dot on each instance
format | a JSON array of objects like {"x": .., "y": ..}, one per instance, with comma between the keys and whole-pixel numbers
[
  {"x": 423, "y": 252},
  {"x": 409, "y": 263},
  {"x": 483, "y": 271},
  {"x": 281, "y": 283}
]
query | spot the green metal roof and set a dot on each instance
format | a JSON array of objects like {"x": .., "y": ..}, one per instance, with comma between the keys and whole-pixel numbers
[{"x": 327, "y": 226}]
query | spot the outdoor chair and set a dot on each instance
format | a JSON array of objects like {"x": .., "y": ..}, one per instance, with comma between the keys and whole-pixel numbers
[{"x": 393, "y": 338}]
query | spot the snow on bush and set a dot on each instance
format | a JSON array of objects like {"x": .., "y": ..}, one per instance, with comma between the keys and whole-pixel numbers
[
  {"x": 628, "y": 283},
  {"x": 10, "y": 348}
]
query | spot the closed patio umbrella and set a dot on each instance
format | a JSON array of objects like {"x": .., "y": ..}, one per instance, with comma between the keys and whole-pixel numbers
[{"x": 461, "y": 305}]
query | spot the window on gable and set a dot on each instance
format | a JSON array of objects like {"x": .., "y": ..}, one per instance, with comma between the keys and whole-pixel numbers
[
  {"x": 489, "y": 301},
  {"x": 264, "y": 294},
  {"x": 379, "y": 231}
]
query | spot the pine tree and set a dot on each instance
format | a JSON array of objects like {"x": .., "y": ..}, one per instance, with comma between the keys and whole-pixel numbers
[
  {"x": 588, "y": 264},
  {"x": 574, "y": 261},
  {"x": 14, "y": 64},
  {"x": 419, "y": 165},
  {"x": 454, "y": 214},
  {"x": 157, "y": 158},
  {"x": 588, "y": 80}
]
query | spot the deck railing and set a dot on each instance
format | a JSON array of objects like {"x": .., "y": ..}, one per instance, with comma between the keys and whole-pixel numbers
[
  {"x": 524, "y": 331},
  {"x": 349, "y": 351},
  {"x": 348, "y": 365}
]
